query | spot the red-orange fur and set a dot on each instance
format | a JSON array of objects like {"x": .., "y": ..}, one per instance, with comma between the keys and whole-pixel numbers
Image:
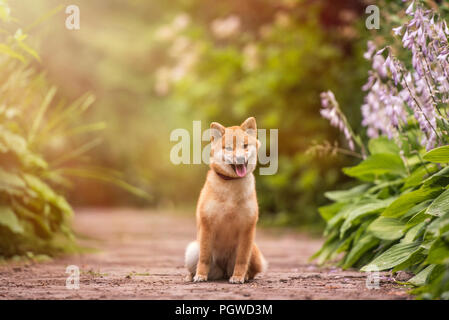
[{"x": 227, "y": 213}]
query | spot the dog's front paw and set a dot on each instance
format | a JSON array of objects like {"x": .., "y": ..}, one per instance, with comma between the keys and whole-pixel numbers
[
  {"x": 237, "y": 279},
  {"x": 199, "y": 278}
]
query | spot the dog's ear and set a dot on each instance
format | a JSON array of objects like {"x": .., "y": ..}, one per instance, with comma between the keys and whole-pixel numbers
[
  {"x": 250, "y": 126},
  {"x": 216, "y": 131}
]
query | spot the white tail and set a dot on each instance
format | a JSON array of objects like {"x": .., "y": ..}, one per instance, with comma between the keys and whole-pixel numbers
[{"x": 191, "y": 258}]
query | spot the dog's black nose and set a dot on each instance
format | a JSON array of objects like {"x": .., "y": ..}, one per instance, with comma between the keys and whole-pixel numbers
[{"x": 240, "y": 159}]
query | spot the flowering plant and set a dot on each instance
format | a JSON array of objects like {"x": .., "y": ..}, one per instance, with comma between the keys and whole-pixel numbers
[{"x": 398, "y": 218}]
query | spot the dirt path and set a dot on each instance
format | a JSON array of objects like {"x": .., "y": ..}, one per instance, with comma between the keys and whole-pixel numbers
[{"x": 141, "y": 257}]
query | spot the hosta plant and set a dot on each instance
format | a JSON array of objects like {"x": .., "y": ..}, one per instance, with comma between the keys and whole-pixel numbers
[{"x": 397, "y": 216}]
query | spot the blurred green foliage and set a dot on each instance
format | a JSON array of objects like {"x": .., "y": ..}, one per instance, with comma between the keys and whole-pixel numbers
[
  {"x": 225, "y": 66},
  {"x": 44, "y": 142},
  {"x": 156, "y": 66},
  {"x": 34, "y": 218}
]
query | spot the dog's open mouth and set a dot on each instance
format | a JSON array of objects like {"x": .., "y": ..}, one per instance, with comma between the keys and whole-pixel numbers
[{"x": 240, "y": 169}]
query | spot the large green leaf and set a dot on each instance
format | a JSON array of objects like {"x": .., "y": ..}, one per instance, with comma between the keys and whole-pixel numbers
[
  {"x": 347, "y": 195},
  {"x": 421, "y": 278},
  {"x": 340, "y": 216},
  {"x": 440, "y": 205},
  {"x": 438, "y": 155},
  {"x": 9, "y": 220},
  {"x": 408, "y": 200},
  {"x": 361, "y": 246},
  {"x": 394, "y": 256},
  {"x": 417, "y": 176},
  {"x": 387, "y": 228},
  {"x": 413, "y": 233},
  {"x": 416, "y": 219},
  {"x": 329, "y": 211},
  {"x": 375, "y": 165},
  {"x": 434, "y": 177},
  {"x": 439, "y": 226},
  {"x": 414, "y": 259},
  {"x": 439, "y": 252},
  {"x": 362, "y": 210},
  {"x": 420, "y": 207},
  {"x": 328, "y": 248},
  {"x": 384, "y": 186},
  {"x": 382, "y": 145}
]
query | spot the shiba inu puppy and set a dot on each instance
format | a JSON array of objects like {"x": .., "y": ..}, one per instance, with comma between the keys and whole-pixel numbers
[{"x": 227, "y": 210}]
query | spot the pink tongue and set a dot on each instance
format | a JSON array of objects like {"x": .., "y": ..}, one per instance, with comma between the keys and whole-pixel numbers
[{"x": 240, "y": 169}]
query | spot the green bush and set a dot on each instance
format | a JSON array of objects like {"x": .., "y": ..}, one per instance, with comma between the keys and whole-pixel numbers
[
  {"x": 34, "y": 216},
  {"x": 397, "y": 216},
  {"x": 396, "y": 219}
]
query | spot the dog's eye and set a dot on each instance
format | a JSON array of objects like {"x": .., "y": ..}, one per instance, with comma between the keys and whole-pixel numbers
[{"x": 245, "y": 145}]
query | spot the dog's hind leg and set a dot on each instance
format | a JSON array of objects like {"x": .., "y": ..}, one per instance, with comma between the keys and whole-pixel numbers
[
  {"x": 191, "y": 261},
  {"x": 257, "y": 263}
]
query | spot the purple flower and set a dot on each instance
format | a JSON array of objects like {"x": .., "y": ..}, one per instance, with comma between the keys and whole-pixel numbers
[
  {"x": 409, "y": 10},
  {"x": 371, "y": 47},
  {"x": 397, "y": 31},
  {"x": 331, "y": 111},
  {"x": 390, "y": 64},
  {"x": 394, "y": 92}
]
